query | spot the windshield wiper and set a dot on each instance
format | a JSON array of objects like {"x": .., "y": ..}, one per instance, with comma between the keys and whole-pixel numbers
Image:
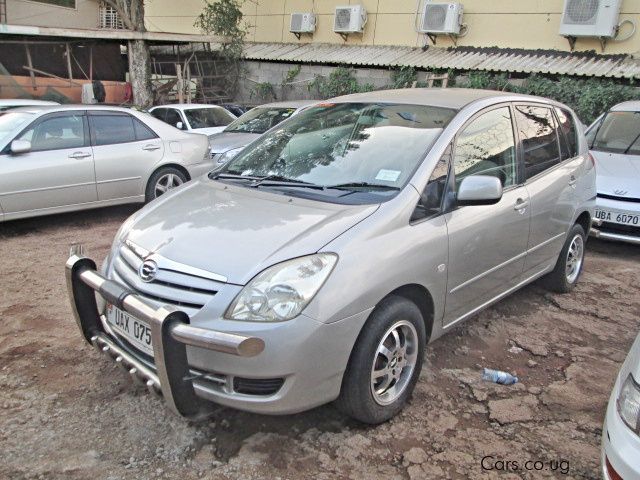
[
  {"x": 280, "y": 181},
  {"x": 232, "y": 174},
  {"x": 367, "y": 185}
]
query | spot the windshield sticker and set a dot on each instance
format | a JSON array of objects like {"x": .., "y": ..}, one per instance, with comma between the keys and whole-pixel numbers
[{"x": 388, "y": 175}]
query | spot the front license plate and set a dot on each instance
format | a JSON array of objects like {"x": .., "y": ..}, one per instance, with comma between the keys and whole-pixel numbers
[
  {"x": 617, "y": 217},
  {"x": 134, "y": 331}
]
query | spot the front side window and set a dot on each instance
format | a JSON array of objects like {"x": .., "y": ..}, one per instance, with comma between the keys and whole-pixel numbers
[
  {"x": 619, "y": 132},
  {"x": 208, "y": 117},
  {"x": 160, "y": 113},
  {"x": 538, "y": 132},
  {"x": 486, "y": 146},
  {"x": 173, "y": 117},
  {"x": 112, "y": 129},
  {"x": 569, "y": 136},
  {"x": 56, "y": 133},
  {"x": 345, "y": 149},
  {"x": 260, "y": 119}
]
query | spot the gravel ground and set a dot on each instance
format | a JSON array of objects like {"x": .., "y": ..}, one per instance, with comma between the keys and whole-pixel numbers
[{"x": 66, "y": 412}]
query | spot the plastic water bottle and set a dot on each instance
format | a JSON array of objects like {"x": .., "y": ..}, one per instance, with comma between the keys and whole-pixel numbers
[{"x": 497, "y": 376}]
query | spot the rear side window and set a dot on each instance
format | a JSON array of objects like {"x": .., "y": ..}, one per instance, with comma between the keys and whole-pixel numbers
[
  {"x": 568, "y": 134},
  {"x": 538, "y": 133},
  {"x": 142, "y": 131},
  {"x": 112, "y": 129}
]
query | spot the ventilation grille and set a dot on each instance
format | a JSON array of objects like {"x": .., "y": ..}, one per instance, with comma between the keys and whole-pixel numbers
[
  {"x": 582, "y": 12},
  {"x": 296, "y": 22},
  {"x": 435, "y": 17},
  {"x": 343, "y": 18}
]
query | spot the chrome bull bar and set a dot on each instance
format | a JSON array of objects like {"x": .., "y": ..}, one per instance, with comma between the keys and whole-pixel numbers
[{"x": 170, "y": 335}]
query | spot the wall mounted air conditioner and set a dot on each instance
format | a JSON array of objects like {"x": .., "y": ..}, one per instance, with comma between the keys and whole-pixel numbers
[
  {"x": 590, "y": 18},
  {"x": 302, "y": 23},
  {"x": 350, "y": 19},
  {"x": 445, "y": 18}
]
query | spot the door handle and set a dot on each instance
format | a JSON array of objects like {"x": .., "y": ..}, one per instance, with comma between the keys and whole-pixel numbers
[
  {"x": 521, "y": 205},
  {"x": 572, "y": 181},
  {"x": 151, "y": 147},
  {"x": 79, "y": 155}
]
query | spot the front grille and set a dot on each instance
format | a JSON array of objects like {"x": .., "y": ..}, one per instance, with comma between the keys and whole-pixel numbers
[
  {"x": 170, "y": 286},
  {"x": 620, "y": 199},
  {"x": 257, "y": 386},
  {"x": 618, "y": 228}
]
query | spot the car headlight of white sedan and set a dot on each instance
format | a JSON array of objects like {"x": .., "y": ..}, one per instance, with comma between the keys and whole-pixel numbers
[
  {"x": 282, "y": 291},
  {"x": 629, "y": 404}
]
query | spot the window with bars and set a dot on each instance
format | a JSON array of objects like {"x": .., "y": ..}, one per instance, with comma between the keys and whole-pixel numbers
[{"x": 109, "y": 17}]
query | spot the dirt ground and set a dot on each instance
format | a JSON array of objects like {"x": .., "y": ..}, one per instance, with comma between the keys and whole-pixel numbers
[{"x": 68, "y": 413}]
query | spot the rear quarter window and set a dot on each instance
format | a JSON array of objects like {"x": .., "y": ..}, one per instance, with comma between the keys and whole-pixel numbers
[{"x": 569, "y": 144}]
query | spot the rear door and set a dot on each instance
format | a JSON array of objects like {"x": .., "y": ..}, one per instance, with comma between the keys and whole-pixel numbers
[
  {"x": 487, "y": 244},
  {"x": 57, "y": 172},
  {"x": 551, "y": 171},
  {"x": 125, "y": 151}
]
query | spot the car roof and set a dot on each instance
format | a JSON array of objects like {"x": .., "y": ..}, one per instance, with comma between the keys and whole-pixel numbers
[
  {"x": 455, "y": 98},
  {"x": 630, "y": 106},
  {"x": 288, "y": 104},
  {"x": 69, "y": 106},
  {"x": 187, "y": 105}
]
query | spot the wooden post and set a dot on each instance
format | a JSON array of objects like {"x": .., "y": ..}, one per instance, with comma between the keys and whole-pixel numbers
[
  {"x": 30, "y": 64},
  {"x": 91, "y": 63},
  {"x": 180, "y": 83},
  {"x": 69, "y": 63}
]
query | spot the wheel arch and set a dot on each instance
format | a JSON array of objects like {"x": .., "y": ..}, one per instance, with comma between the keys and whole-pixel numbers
[
  {"x": 584, "y": 220},
  {"x": 177, "y": 166},
  {"x": 421, "y": 297}
]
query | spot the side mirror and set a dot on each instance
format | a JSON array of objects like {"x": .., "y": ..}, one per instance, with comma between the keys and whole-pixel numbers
[
  {"x": 20, "y": 146},
  {"x": 180, "y": 126},
  {"x": 479, "y": 190}
]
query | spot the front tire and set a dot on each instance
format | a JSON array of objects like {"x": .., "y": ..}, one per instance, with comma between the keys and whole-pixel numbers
[
  {"x": 163, "y": 180},
  {"x": 385, "y": 363},
  {"x": 566, "y": 273}
]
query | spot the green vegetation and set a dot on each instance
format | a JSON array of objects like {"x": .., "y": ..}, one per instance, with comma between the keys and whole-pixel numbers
[
  {"x": 264, "y": 91},
  {"x": 341, "y": 81},
  {"x": 224, "y": 18}
]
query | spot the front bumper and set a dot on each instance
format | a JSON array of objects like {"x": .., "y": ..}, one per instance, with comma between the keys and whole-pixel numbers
[
  {"x": 613, "y": 231},
  {"x": 171, "y": 376},
  {"x": 620, "y": 446}
]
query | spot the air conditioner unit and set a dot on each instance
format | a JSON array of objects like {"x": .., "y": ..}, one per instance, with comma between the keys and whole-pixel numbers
[
  {"x": 350, "y": 19},
  {"x": 302, "y": 23},
  {"x": 590, "y": 18},
  {"x": 442, "y": 18}
]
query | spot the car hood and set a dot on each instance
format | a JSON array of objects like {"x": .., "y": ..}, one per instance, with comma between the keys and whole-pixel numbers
[
  {"x": 224, "y": 141},
  {"x": 236, "y": 231},
  {"x": 617, "y": 173}
]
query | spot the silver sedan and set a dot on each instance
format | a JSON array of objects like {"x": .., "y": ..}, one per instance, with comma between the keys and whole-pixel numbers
[{"x": 61, "y": 158}]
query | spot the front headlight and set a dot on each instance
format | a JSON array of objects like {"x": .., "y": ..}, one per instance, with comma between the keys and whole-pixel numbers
[
  {"x": 282, "y": 291},
  {"x": 629, "y": 404},
  {"x": 228, "y": 155}
]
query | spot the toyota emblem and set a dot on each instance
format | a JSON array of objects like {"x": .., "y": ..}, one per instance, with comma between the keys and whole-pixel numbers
[{"x": 148, "y": 270}]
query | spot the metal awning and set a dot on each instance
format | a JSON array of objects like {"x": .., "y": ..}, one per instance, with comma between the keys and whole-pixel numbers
[{"x": 464, "y": 58}]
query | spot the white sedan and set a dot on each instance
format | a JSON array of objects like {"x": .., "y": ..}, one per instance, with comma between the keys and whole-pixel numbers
[
  {"x": 621, "y": 430},
  {"x": 614, "y": 141},
  {"x": 194, "y": 117}
]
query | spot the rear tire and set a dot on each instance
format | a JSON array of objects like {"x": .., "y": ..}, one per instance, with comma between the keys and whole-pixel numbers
[
  {"x": 385, "y": 363},
  {"x": 163, "y": 180},
  {"x": 566, "y": 273}
]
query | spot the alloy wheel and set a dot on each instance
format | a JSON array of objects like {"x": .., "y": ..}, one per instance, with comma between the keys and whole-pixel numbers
[
  {"x": 167, "y": 182},
  {"x": 575, "y": 255}
]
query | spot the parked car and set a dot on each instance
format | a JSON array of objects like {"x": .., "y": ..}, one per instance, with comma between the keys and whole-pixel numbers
[
  {"x": 614, "y": 140},
  {"x": 61, "y": 158},
  {"x": 621, "y": 430},
  {"x": 11, "y": 103},
  {"x": 193, "y": 117},
  {"x": 227, "y": 144},
  {"x": 318, "y": 263},
  {"x": 237, "y": 110}
]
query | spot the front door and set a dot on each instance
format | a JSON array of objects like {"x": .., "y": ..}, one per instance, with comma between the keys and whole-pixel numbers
[
  {"x": 487, "y": 244},
  {"x": 57, "y": 172}
]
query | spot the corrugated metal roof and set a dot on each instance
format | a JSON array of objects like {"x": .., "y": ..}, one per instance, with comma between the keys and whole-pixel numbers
[{"x": 491, "y": 59}]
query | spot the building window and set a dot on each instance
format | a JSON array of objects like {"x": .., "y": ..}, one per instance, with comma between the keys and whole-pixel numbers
[
  {"x": 109, "y": 17},
  {"x": 59, "y": 3}
]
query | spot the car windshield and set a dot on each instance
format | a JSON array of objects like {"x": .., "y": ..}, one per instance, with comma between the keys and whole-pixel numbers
[
  {"x": 619, "y": 132},
  {"x": 208, "y": 117},
  {"x": 260, "y": 119},
  {"x": 349, "y": 146},
  {"x": 11, "y": 121}
]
